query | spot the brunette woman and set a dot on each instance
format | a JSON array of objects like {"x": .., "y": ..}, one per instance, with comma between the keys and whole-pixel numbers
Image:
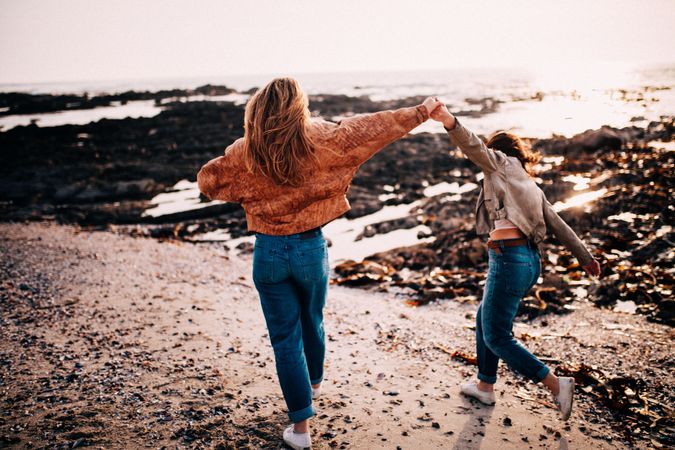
[
  {"x": 515, "y": 214},
  {"x": 291, "y": 175}
]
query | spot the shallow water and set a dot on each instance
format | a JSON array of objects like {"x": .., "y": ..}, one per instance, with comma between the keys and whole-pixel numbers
[
  {"x": 183, "y": 196},
  {"x": 579, "y": 200},
  {"x": 580, "y": 182},
  {"x": 626, "y": 306},
  {"x": 134, "y": 109},
  {"x": 449, "y": 188},
  {"x": 533, "y": 103},
  {"x": 343, "y": 232},
  {"x": 667, "y": 146}
]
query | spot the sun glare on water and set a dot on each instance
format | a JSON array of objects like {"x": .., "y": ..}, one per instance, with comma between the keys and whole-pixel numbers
[{"x": 579, "y": 200}]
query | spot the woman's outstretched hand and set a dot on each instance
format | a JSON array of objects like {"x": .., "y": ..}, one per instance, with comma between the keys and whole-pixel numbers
[
  {"x": 593, "y": 269},
  {"x": 431, "y": 103},
  {"x": 441, "y": 114}
]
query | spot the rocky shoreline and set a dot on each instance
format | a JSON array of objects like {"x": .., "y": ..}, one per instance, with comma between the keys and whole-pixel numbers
[
  {"x": 25, "y": 103},
  {"x": 628, "y": 226},
  {"x": 102, "y": 176}
]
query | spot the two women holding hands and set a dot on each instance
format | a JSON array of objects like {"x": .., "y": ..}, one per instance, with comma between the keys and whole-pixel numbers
[{"x": 291, "y": 174}]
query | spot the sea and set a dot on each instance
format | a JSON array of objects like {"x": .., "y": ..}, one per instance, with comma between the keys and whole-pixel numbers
[{"x": 533, "y": 102}]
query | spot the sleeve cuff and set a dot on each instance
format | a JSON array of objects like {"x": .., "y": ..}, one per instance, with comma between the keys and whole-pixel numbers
[
  {"x": 457, "y": 124},
  {"x": 585, "y": 258},
  {"x": 458, "y": 134},
  {"x": 422, "y": 113}
]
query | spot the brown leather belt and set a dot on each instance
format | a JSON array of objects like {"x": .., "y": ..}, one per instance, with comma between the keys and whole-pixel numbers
[
  {"x": 497, "y": 245},
  {"x": 310, "y": 233}
]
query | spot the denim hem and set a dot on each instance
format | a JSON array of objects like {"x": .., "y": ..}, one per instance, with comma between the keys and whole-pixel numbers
[
  {"x": 299, "y": 416},
  {"x": 487, "y": 379},
  {"x": 541, "y": 374},
  {"x": 317, "y": 381}
]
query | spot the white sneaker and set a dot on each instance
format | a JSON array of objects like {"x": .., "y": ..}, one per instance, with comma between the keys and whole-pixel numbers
[
  {"x": 470, "y": 389},
  {"x": 316, "y": 391},
  {"x": 565, "y": 396},
  {"x": 297, "y": 441}
]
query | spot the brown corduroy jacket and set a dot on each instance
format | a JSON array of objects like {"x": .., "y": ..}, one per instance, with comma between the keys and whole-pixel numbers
[{"x": 340, "y": 150}]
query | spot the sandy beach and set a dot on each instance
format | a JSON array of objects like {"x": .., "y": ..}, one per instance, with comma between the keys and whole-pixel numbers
[
  {"x": 128, "y": 314},
  {"x": 112, "y": 341}
]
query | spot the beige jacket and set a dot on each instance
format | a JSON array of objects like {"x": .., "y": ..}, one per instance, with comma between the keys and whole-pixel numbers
[
  {"x": 340, "y": 150},
  {"x": 510, "y": 193}
]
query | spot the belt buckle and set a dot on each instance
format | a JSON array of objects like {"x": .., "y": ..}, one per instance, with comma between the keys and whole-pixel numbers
[
  {"x": 492, "y": 245},
  {"x": 308, "y": 234}
]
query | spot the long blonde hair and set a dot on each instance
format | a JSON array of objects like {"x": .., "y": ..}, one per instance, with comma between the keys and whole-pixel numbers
[{"x": 276, "y": 135}]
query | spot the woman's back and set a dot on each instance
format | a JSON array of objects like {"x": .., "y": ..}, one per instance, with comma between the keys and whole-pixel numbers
[
  {"x": 338, "y": 151},
  {"x": 291, "y": 176},
  {"x": 510, "y": 193}
]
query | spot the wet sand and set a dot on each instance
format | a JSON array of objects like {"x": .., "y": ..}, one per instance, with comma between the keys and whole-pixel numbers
[{"x": 112, "y": 341}]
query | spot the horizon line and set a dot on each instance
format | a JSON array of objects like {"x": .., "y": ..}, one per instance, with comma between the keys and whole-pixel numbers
[{"x": 534, "y": 67}]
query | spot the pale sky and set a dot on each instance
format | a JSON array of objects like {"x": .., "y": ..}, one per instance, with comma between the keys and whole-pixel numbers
[{"x": 91, "y": 40}]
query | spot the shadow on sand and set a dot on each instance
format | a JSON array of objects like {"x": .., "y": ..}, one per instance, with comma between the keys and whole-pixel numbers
[
  {"x": 473, "y": 431},
  {"x": 472, "y": 434}
]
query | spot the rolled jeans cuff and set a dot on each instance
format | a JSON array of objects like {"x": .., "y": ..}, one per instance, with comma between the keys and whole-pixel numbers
[
  {"x": 541, "y": 374},
  {"x": 316, "y": 381},
  {"x": 299, "y": 416},
  {"x": 487, "y": 379}
]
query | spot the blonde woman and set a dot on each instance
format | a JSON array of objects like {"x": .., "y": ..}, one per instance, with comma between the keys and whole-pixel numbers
[
  {"x": 291, "y": 175},
  {"x": 514, "y": 212}
]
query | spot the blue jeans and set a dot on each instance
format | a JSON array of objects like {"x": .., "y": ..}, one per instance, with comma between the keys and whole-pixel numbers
[
  {"x": 291, "y": 276},
  {"x": 510, "y": 275}
]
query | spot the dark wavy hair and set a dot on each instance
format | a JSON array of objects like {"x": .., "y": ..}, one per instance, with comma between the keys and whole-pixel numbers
[{"x": 512, "y": 145}]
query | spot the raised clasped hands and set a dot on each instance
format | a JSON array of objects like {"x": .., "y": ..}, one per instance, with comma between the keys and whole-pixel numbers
[
  {"x": 441, "y": 114},
  {"x": 431, "y": 104}
]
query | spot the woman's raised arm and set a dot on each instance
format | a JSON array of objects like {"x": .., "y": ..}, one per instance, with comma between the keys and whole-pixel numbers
[
  {"x": 364, "y": 135},
  {"x": 470, "y": 144}
]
